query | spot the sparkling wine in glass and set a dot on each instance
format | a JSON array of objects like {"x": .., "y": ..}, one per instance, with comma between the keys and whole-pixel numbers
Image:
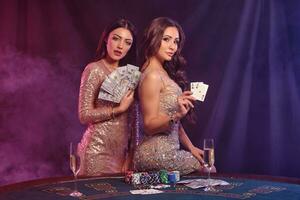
[
  {"x": 209, "y": 160},
  {"x": 75, "y": 167}
]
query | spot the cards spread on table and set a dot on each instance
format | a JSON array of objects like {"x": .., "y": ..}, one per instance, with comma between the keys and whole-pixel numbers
[
  {"x": 146, "y": 191},
  {"x": 117, "y": 83},
  {"x": 199, "y": 90},
  {"x": 199, "y": 183}
]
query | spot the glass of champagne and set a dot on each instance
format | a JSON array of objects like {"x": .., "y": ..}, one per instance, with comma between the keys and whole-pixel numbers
[
  {"x": 75, "y": 167},
  {"x": 209, "y": 160}
]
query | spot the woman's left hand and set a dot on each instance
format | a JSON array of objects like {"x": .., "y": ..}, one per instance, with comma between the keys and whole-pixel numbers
[
  {"x": 198, "y": 153},
  {"x": 185, "y": 102},
  {"x": 126, "y": 101}
]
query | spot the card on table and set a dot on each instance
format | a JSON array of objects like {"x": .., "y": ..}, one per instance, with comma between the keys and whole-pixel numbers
[{"x": 146, "y": 191}]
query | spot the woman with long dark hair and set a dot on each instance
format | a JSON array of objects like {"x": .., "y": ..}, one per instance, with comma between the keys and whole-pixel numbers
[
  {"x": 104, "y": 146},
  {"x": 163, "y": 103}
]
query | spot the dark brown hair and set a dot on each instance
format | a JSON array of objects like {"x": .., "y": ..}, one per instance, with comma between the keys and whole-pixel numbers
[
  {"x": 101, "y": 51},
  {"x": 150, "y": 45}
]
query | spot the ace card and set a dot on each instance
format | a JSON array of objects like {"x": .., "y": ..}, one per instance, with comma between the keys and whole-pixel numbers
[{"x": 199, "y": 90}]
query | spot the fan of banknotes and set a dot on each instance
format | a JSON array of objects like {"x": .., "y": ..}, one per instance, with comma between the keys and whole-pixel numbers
[{"x": 116, "y": 84}]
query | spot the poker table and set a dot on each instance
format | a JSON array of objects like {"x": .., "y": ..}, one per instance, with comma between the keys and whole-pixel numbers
[{"x": 113, "y": 187}]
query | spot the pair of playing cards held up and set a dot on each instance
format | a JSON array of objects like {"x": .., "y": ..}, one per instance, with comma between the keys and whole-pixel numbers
[{"x": 199, "y": 90}]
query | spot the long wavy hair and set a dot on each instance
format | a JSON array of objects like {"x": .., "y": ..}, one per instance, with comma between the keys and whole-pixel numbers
[
  {"x": 131, "y": 55},
  {"x": 175, "y": 67}
]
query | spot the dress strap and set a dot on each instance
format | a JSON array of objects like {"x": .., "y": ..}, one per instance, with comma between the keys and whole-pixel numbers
[{"x": 162, "y": 78}]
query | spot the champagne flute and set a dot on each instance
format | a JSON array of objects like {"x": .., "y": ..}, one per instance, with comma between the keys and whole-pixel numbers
[
  {"x": 75, "y": 167},
  {"x": 209, "y": 161}
]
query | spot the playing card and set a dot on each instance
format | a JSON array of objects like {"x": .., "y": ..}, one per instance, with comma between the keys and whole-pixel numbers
[
  {"x": 194, "y": 89},
  {"x": 146, "y": 191},
  {"x": 160, "y": 186},
  {"x": 199, "y": 90},
  {"x": 203, "y": 91},
  {"x": 199, "y": 183}
]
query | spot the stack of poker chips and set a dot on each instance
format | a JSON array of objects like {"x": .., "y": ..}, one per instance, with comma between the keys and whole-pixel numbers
[
  {"x": 152, "y": 178},
  {"x": 176, "y": 174},
  {"x": 163, "y": 174}
]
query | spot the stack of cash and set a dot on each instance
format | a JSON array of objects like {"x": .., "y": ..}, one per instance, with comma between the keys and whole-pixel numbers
[{"x": 116, "y": 84}]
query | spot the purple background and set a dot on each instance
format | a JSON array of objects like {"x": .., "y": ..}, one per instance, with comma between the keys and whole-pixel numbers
[{"x": 247, "y": 51}]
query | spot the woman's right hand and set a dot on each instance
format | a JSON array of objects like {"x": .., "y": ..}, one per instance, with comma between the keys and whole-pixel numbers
[
  {"x": 126, "y": 101},
  {"x": 185, "y": 101}
]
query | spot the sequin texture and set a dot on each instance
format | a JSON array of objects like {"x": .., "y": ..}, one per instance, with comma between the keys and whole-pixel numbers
[
  {"x": 161, "y": 151},
  {"x": 104, "y": 144}
]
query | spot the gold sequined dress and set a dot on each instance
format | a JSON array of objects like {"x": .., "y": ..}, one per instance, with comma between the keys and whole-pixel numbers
[
  {"x": 161, "y": 151},
  {"x": 104, "y": 144}
]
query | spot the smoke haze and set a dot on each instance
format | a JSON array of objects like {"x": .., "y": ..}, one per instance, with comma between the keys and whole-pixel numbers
[{"x": 38, "y": 115}]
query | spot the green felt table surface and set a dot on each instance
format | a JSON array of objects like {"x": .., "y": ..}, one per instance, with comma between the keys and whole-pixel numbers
[{"x": 241, "y": 187}]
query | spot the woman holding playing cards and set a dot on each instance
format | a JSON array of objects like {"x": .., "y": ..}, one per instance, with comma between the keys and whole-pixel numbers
[
  {"x": 163, "y": 103},
  {"x": 104, "y": 145}
]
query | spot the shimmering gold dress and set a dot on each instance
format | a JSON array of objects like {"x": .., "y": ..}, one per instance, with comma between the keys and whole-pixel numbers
[
  {"x": 161, "y": 151},
  {"x": 104, "y": 144}
]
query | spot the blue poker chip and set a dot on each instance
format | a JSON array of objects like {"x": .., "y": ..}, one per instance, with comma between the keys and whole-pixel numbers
[
  {"x": 172, "y": 177},
  {"x": 177, "y": 174}
]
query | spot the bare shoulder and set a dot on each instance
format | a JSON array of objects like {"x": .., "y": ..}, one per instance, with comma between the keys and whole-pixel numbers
[
  {"x": 152, "y": 76},
  {"x": 151, "y": 81}
]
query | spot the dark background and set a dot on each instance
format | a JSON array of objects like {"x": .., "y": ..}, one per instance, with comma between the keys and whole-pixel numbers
[{"x": 247, "y": 51}]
